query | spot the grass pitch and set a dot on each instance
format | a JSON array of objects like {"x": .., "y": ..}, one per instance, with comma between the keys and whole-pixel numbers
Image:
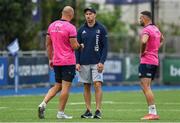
[{"x": 128, "y": 106}]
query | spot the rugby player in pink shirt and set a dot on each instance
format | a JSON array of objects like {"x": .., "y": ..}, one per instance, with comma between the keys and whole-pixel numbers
[
  {"x": 61, "y": 42},
  {"x": 151, "y": 40}
]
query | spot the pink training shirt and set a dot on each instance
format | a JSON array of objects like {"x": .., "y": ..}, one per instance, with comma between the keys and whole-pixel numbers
[
  {"x": 150, "y": 56},
  {"x": 60, "y": 31}
]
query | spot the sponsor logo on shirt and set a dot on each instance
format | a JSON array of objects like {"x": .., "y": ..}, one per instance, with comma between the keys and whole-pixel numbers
[
  {"x": 98, "y": 31},
  {"x": 96, "y": 48}
]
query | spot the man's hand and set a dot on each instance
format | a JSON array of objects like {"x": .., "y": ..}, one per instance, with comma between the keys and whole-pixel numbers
[
  {"x": 51, "y": 64},
  {"x": 100, "y": 67},
  {"x": 81, "y": 46},
  {"x": 78, "y": 66}
]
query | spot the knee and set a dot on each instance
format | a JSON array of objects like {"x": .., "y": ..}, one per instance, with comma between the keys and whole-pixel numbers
[
  {"x": 145, "y": 86},
  {"x": 87, "y": 85},
  {"x": 97, "y": 85},
  {"x": 58, "y": 87}
]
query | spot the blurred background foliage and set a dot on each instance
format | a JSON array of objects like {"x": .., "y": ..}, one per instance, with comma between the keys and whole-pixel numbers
[{"x": 16, "y": 21}]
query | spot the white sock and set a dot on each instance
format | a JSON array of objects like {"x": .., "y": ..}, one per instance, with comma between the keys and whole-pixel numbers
[
  {"x": 60, "y": 112},
  {"x": 152, "y": 109},
  {"x": 43, "y": 104}
]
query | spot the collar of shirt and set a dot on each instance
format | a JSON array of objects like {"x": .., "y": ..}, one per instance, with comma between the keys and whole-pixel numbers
[{"x": 96, "y": 23}]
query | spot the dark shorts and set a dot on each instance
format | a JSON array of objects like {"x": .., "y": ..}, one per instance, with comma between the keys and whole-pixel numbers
[
  {"x": 147, "y": 71},
  {"x": 65, "y": 73}
]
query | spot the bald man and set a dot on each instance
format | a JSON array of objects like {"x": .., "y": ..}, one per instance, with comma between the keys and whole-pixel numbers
[{"x": 61, "y": 42}]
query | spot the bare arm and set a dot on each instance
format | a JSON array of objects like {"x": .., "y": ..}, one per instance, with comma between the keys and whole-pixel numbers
[
  {"x": 144, "y": 40},
  {"x": 161, "y": 40},
  {"x": 74, "y": 44},
  {"x": 49, "y": 50},
  {"x": 49, "y": 47}
]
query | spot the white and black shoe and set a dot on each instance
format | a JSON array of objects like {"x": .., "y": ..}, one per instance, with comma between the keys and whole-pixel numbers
[
  {"x": 41, "y": 112},
  {"x": 87, "y": 115},
  {"x": 97, "y": 115}
]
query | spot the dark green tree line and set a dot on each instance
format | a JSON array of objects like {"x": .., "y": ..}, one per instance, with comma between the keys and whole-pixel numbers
[{"x": 16, "y": 22}]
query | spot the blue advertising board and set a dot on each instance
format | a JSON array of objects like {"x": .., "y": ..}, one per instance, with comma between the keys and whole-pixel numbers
[
  {"x": 113, "y": 70},
  {"x": 3, "y": 70},
  {"x": 31, "y": 70}
]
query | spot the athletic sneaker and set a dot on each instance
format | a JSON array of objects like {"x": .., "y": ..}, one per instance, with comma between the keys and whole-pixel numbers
[
  {"x": 87, "y": 114},
  {"x": 97, "y": 115},
  {"x": 150, "y": 117},
  {"x": 41, "y": 112},
  {"x": 61, "y": 115}
]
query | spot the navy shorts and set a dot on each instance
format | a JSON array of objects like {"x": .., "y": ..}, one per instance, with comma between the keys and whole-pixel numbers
[
  {"x": 147, "y": 71},
  {"x": 65, "y": 73}
]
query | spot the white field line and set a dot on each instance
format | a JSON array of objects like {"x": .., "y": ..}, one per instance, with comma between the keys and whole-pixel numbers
[
  {"x": 82, "y": 103},
  {"x": 104, "y": 110},
  {"x": 103, "y": 102},
  {"x": 123, "y": 103},
  {"x": 89, "y": 122},
  {"x": 3, "y": 108}
]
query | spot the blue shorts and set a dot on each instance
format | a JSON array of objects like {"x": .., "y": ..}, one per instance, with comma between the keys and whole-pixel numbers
[
  {"x": 147, "y": 71},
  {"x": 65, "y": 73}
]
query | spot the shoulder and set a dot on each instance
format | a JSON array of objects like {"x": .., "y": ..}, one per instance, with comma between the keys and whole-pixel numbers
[
  {"x": 146, "y": 30},
  {"x": 51, "y": 24},
  {"x": 54, "y": 22},
  {"x": 101, "y": 27},
  {"x": 71, "y": 25},
  {"x": 151, "y": 29},
  {"x": 82, "y": 26}
]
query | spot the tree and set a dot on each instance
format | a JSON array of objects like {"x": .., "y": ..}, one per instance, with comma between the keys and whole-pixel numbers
[
  {"x": 51, "y": 11},
  {"x": 118, "y": 33},
  {"x": 16, "y": 22}
]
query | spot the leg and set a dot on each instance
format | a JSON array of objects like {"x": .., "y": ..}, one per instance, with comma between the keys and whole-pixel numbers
[
  {"x": 87, "y": 99},
  {"x": 147, "y": 73},
  {"x": 98, "y": 94},
  {"x": 52, "y": 92},
  {"x": 67, "y": 73},
  {"x": 87, "y": 95},
  {"x": 63, "y": 100},
  {"x": 85, "y": 77},
  {"x": 146, "y": 87},
  {"x": 64, "y": 95},
  {"x": 98, "y": 80}
]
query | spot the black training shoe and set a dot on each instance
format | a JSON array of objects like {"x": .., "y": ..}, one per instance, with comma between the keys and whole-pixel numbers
[
  {"x": 87, "y": 114},
  {"x": 97, "y": 115},
  {"x": 41, "y": 111}
]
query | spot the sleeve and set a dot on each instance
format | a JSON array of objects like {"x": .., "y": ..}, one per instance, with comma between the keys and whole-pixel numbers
[
  {"x": 104, "y": 46},
  {"x": 145, "y": 31},
  {"x": 77, "y": 52},
  {"x": 72, "y": 32}
]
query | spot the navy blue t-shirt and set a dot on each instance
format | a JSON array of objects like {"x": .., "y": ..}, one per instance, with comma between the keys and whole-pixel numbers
[{"x": 95, "y": 42}]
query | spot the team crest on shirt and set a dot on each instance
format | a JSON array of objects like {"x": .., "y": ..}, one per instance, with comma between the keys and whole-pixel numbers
[
  {"x": 83, "y": 32},
  {"x": 98, "y": 31}
]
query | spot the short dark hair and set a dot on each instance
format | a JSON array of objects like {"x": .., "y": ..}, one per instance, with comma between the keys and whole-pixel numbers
[{"x": 147, "y": 13}]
